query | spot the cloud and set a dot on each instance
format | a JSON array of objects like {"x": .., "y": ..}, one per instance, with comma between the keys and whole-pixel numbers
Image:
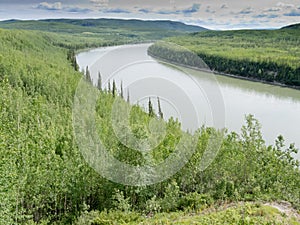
[
  {"x": 50, "y": 6},
  {"x": 115, "y": 10},
  {"x": 294, "y": 12},
  {"x": 269, "y": 16},
  {"x": 284, "y": 5},
  {"x": 100, "y": 3},
  {"x": 247, "y": 10},
  {"x": 273, "y": 9},
  {"x": 190, "y": 10},
  {"x": 195, "y": 8},
  {"x": 208, "y": 10},
  {"x": 78, "y": 10},
  {"x": 58, "y": 6},
  {"x": 224, "y": 6},
  {"x": 144, "y": 10}
]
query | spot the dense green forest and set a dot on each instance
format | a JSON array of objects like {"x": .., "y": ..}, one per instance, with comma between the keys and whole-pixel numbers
[
  {"x": 45, "y": 179},
  {"x": 266, "y": 55},
  {"x": 292, "y": 26},
  {"x": 86, "y": 33}
]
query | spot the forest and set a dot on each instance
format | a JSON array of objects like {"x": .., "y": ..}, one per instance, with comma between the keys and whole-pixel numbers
[
  {"x": 89, "y": 33},
  {"x": 263, "y": 55},
  {"x": 46, "y": 180}
]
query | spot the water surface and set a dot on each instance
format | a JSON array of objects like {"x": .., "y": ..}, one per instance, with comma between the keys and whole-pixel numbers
[{"x": 197, "y": 98}]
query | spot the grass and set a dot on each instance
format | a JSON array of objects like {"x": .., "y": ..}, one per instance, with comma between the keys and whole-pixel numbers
[{"x": 237, "y": 213}]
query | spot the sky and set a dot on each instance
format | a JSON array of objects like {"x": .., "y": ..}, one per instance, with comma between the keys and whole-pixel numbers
[{"x": 212, "y": 14}]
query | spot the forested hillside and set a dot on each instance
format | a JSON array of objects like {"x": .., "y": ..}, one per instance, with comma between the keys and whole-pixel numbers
[
  {"x": 83, "y": 33},
  {"x": 265, "y": 55},
  {"x": 45, "y": 180},
  {"x": 293, "y": 26}
]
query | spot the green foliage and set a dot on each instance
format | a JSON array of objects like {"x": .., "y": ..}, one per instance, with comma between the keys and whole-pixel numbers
[
  {"x": 120, "y": 202},
  {"x": 41, "y": 168},
  {"x": 293, "y": 26},
  {"x": 195, "y": 201},
  {"x": 88, "y": 77},
  {"x": 247, "y": 214},
  {"x": 99, "y": 82},
  {"x": 44, "y": 178},
  {"x": 271, "y": 55},
  {"x": 150, "y": 108},
  {"x": 170, "y": 201},
  {"x": 89, "y": 33},
  {"x": 160, "y": 112}
]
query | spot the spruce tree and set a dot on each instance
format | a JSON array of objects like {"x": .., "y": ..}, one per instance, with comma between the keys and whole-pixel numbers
[
  {"x": 122, "y": 93},
  {"x": 150, "y": 108},
  {"x": 99, "y": 84},
  {"x": 160, "y": 113},
  {"x": 114, "y": 89},
  {"x": 128, "y": 97},
  {"x": 88, "y": 75},
  {"x": 109, "y": 86}
]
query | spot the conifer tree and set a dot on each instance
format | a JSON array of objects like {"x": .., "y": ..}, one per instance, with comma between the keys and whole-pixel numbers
[
  {"x": 99, "y": 84},
  {"x": 75, "y": 64},
  {"x": 150, "y": 108},
  {"x": 109, "y": 86},
  {"x": 160, "y": 113},
  {"x": 88, "y": 75},
  {"x": 122, "y": 92},
  {"x": 128, "y": 97},
  {"x": 114, "y": 89}
]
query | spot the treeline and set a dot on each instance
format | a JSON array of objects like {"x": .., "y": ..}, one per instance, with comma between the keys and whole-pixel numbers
[
  {"x": 45, "y": 179},
  {"x": 264, "y": 71},
  {"x": 271, "y": 56},
  {"x": 92, "y": 33},
  {"x": 176, "y": 54}
]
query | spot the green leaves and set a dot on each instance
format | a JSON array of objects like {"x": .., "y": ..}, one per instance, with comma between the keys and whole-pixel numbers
[
  {"x": 271, "y": 56},
  {"x": 45, "y": 178}
]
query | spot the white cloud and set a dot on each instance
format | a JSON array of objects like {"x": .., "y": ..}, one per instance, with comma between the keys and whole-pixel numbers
[
  {"x": 284, "y": 5},
  {"x": 100, "y": 3},
  {"x": 293, "y": 12},
  {"x": 273, "y": 9},
  {"x": 58, "y": 6},
  {"x": 50, "y": 6},
  {"x": 224, "y": 6},
  {"x": 175, "y": 11},
  {"x": 247, "y": 10}
]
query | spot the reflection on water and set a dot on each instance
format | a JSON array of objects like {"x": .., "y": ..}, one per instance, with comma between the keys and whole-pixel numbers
[{"x": 197, "y": 97}]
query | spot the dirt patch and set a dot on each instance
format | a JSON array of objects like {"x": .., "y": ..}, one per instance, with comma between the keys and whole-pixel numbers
[{"x": 286, "y": 208}]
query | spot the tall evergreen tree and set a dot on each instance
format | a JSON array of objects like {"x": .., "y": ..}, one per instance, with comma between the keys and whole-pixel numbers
[
  {"x": 88, "y": 75},
  {"x": 150, "y": 108},
  {"x": 114, "y": 89},
  {"x": 128, "y": 97},
  {"x": 72, "y": 58},
  {"x": 99, "y": 84},
  {"x": 122, "y": 92},
  {"x": 160, "y": 113},
  {"x": 75, "y": 64},
  {"x": 109, "y": 86}
]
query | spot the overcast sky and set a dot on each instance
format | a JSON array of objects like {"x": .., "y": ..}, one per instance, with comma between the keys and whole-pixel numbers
[{"x": 214, "y": 14}]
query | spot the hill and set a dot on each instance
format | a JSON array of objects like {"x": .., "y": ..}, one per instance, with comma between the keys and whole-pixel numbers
[
  {"x": 293, "y": 26},
  {"x": 46, "y": 180},
  {"x": 110, "y": 31},
  {"x": 263, "y": 55}
]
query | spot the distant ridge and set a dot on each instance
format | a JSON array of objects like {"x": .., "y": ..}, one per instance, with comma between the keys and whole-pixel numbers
[
  {"x": 292, "y": 26},
  {"x": 132, "y": 24}
]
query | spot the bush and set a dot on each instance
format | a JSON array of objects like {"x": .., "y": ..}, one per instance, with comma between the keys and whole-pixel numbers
[{"x": 195, "y": 201}]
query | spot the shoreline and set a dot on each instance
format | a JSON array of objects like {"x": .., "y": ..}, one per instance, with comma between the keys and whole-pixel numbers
[{"x": 222, "y": 74}]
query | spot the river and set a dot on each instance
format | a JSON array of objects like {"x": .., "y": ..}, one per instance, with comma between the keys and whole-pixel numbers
[{"x": 196, "y": 98}]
